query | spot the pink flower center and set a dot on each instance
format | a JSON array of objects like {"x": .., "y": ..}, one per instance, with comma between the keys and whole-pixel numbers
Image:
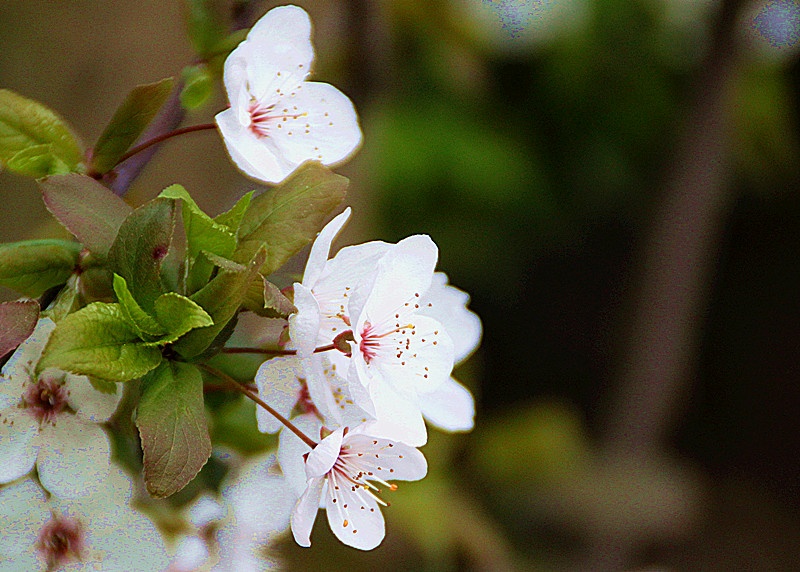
[
  {"x": 372, "y": 341},
  {"x": 263, "y": 119},
  {"x": 46, "y": 398},
  {"x": 61, "y": 540}
]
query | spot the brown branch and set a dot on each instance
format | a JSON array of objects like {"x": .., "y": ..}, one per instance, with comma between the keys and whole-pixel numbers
[{"x": 236, "y": 386}]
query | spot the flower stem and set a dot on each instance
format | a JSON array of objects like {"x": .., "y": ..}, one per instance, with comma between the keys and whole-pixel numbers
[
  {"x": 233, "y": 384},
  {"x": 164, "y": 137},
  {"x": 273, "y": 352}
]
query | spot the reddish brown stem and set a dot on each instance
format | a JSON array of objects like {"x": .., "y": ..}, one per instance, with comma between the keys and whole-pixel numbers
[
  {"x": 233, "y": 384},
  {"x": 273, "y": 352},
  {"x": 163, "y": 137}
]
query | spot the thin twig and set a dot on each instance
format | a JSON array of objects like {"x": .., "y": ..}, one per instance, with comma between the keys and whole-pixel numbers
[
  {"x": 273, "y": 352},
  {"x": 235, "y": 385},
  {"x": 163, "y": 137}
]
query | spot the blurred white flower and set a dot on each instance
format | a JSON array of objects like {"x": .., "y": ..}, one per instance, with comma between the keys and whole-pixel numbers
[
  {"x": 277, "y": 119},
  {"x": 99, "y": 532},
  {"x": 342, "y": 469},
  {"x": 50, "y": 420},
  {"x": 259, "y": 502},
  {"x": 192, "y": 549}
]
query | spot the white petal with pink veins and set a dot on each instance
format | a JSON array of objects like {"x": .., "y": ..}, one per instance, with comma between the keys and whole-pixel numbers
[{"x": 256, "y": 158}]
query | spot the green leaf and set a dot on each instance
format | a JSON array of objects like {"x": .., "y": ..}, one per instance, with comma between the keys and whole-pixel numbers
[
  {"x": 129, "y": 121},
  {"x": 203, "y": 25},
  {"x": 103, "y": 386},
  {"x": 174, "y": 315},
  {"x": 172, "y": 425},
  {"x": 25, "y": 123},
  {"x": 33, "y": 266},
  {"x": 86, "y": 208},
  {"x": 98, "y": 341},
  {"x": 179, "y": 315},
  {"x": 144, "y": 324},
  {"x": 266, "y": 300},
  {"x": 202, "y": 234},
  {"x": 229, "y": 43},
  {"x": 142, "y": 243},
  {"x": 66, "y": 302},
  {"x": 233, "y": 217},
  {"x": 288, "y": 217},
  {"x": 17, "y": 321},
  {"x": 198, "y": 84},
  {"x": 221, "y": 298},
  {"x": 37, "y": 161}
]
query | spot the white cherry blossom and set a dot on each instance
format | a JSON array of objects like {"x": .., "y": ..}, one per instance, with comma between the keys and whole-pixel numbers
[
  {"x": 399, "y": 355},
  {"x": 343, "y": 469},
  {"x": 99, "y": 532},
  {"x": 322, "y": 300},
  {"x": 277, "y": 119},
  {"x": 50, "y": 420}
]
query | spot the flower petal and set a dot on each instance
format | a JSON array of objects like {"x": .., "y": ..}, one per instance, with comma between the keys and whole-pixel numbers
[
  {"x": 278, "y": 385},
  {"x": 279, "y": 43},
  {"x": 304, "y": 325},
  {"x": 320, "y": 123},
  {"x": 398, "y": 417},
  {"x": 324, "y": 455},
  {"x": 394, "y": 460},
  {"x": 74, "y": 457},
  {"x": 257, "y": 158},
  {"x": 353, "y": 514},
  {"x": 448, "y": 305},
  {"x": 450, "y": 407},
  {"x": 291, "y": 450},
  {"x": 88, "y": 403},
  {"x": 316, "y": 371},
  {"x": 20, "y": 366},
  {"x": 19, "y": 443},
  {"x": 320, "y": 250},
  {"x": 305, "y": 511},
  {"x": 23, "y": 512},
  {"x": 404, "y": 274}
]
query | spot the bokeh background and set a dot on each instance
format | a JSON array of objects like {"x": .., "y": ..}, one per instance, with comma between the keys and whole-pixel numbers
[{"x": 614, "y": 182}]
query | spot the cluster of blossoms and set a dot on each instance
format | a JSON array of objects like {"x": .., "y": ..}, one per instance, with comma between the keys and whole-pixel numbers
[
  {"x": 373, "y": 307},
  {"x": 367, "y": 359}
]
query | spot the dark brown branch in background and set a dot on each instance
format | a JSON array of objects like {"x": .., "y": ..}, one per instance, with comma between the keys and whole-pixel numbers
[
  {"x": 172, "y": 114},
  {"x": 673, "y": 281}
]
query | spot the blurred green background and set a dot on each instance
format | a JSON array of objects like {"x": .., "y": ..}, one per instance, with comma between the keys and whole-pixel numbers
[{"x": 614, "y": 182}]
